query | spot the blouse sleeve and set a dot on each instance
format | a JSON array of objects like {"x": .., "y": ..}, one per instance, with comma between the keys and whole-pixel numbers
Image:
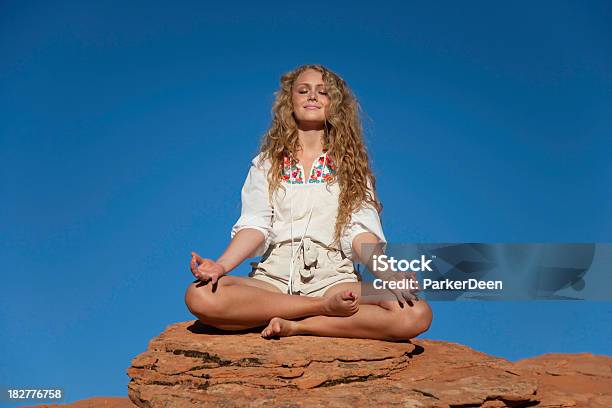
[
  {"x": 256, "y": 211},
  {"x": 365, "y": 219}
]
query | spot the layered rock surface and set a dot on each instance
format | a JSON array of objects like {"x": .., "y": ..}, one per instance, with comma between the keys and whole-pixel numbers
[{"x": 190, "y": 364}]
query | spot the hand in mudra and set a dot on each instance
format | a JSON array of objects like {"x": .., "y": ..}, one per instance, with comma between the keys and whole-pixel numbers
[
  {"x": 205, "y": 269},
  {"x": 406, "y": 295}
]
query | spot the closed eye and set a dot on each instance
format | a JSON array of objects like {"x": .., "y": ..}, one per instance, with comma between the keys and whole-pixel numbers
[{"x": 321, "y": 92}]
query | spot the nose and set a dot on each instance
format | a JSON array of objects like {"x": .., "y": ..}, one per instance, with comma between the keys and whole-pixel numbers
[{"x": 312, "y": 95}]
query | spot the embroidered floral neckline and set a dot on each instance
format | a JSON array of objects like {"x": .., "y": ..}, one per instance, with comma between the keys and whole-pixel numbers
[{"x": 321, "y": 171}]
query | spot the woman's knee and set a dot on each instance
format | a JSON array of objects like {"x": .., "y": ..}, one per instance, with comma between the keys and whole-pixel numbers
[
  {"x": 412, "y": 320},
  {"x": 201, "y": 301},
  {"x": 424, "y": 316}
]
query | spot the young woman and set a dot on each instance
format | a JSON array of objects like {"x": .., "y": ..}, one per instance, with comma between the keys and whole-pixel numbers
[{"x": 309, "y": 227}]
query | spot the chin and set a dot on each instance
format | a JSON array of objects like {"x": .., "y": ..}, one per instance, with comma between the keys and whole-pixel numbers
[{"x": 313, "y": 118}]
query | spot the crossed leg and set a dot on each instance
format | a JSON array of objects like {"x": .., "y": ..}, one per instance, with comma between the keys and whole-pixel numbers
[
  {"x": 239, "y": 303},
  {"x": 383, "y": 320}
]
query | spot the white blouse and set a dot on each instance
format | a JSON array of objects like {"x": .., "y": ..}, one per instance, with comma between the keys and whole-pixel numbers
[{"x": 273, "y": 219}]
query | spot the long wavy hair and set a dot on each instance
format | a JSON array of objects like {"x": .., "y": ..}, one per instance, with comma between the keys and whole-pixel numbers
[{"x": 343, "y": 140}]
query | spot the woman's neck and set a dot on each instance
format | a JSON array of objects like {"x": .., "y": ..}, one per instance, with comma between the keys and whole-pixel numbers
[{"x": 311, "y": 142}]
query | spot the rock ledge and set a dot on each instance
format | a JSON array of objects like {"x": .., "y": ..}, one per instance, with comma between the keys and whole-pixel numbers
[{"x": 190, "y": 364}]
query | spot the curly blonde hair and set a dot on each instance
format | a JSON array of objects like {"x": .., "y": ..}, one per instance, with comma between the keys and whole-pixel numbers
[{"x": 343, "y": 140}]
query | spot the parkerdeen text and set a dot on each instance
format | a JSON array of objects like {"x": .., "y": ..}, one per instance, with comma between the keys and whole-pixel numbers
[
  {"x": 384, "y": 263},
  {"x": 432, "y": 284},
  {"x": 471, "y": 283}
]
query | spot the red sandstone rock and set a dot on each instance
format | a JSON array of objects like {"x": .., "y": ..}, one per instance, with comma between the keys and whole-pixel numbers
[
  {"x": 193, "y": 365},
  {"x": 576, "y": 380}
]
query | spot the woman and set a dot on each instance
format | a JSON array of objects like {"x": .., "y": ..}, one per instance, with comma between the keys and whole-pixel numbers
[{"x": 308, "y": 227}]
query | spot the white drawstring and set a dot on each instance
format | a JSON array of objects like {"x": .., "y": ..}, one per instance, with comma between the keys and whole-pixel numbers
[{"x": 293, "y": 254}]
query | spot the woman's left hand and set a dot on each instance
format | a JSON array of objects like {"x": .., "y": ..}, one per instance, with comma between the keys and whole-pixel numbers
[{"x": 403, "y": 296}]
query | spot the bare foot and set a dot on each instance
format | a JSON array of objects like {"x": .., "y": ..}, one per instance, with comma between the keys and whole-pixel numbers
[
  {"x": 278, "y": 328},
  {"x": 343, "y": 303}
]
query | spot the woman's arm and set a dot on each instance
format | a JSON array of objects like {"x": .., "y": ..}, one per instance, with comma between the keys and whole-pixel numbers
[
  {"x": 242, "y": 246},
  {"x": 365, "y": 254},
  {"x": 365, "y": 246}
]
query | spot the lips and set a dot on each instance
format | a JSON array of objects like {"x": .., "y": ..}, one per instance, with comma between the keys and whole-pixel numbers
[{"x": 312, "y": 107}]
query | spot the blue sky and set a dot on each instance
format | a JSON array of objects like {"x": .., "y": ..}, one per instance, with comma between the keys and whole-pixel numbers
[{"x": 126, "y": 132}]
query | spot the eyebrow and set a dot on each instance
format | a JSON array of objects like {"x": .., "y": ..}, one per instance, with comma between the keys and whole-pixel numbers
[{"x": 306, "y": 83}]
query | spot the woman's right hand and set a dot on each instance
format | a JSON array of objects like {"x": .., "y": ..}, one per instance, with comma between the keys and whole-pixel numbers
[{"x": 206, "y": 269}]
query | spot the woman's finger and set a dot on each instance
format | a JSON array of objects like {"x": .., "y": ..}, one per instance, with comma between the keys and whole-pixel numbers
[
  {"x": 214, "y": 278},
  {"x": 403, "y": 296},
  {"x": 198, "y": 257},
  {"x": 409, "y": 296},
  {"x": 398, "y": 295}
]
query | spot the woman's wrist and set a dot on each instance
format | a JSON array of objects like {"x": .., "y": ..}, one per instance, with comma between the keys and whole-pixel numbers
[{"x": 225, "y": 265}]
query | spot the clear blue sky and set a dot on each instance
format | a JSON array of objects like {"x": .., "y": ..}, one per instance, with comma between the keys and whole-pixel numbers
[{"x": 127, "y": 129}]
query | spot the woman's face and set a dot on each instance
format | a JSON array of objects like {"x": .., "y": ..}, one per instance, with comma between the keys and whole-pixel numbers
[{"x": 310, "y": 98}]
